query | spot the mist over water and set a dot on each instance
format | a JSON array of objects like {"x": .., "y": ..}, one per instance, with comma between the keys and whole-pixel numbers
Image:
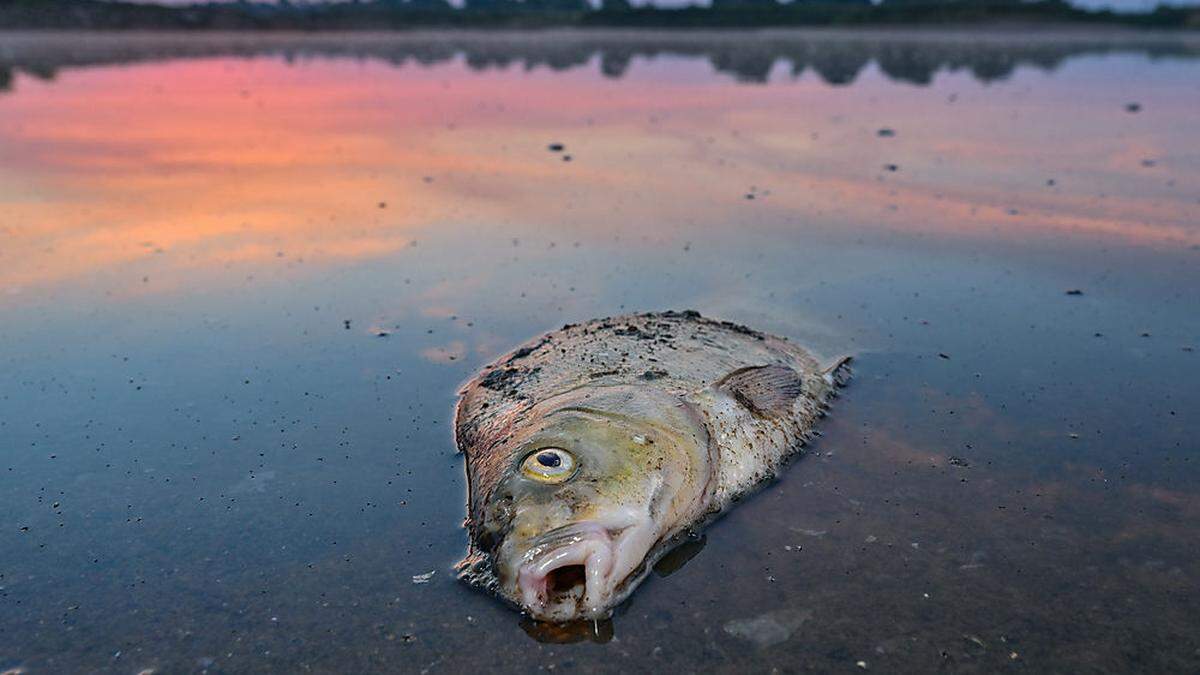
[{"x": 242, "y": 277}]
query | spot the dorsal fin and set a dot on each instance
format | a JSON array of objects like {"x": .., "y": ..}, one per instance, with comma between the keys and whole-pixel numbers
[{"x": 765, "y": 390}]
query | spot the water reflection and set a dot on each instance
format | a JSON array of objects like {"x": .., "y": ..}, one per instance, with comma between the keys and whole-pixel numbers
[
  {"x": 241, "y": 278},
  {"x": 213, "y": 155},
  {"x": 836, "y": 57},
  {"x": 600, "y": 632},
  {"x": 679, "y": 556}
]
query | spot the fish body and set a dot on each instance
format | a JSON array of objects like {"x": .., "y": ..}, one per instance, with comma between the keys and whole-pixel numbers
[{"x": 593, "y": 449}]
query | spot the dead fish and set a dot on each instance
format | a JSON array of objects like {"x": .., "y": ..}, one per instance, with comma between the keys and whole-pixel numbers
[{"x": 592, "y": 450}]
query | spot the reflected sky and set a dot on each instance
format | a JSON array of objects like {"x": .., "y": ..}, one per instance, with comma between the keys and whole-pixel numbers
[
  {"x": 224, "y": 161},
  {"x": 241, "y": 278}
]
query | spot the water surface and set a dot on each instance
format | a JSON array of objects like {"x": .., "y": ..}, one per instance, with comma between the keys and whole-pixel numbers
[{"x": 242, "y": 276}]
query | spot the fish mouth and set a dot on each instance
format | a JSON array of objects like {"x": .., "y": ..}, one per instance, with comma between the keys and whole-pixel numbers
[{"x": 570, "y": 573}]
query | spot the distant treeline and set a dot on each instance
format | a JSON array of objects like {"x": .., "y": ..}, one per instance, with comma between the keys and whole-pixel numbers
[
  {"x": 836, "y": 57},
  {"x": 400, "y": 14}
]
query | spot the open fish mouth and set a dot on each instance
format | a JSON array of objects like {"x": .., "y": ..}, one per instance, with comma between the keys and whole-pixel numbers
[{"x": 569, "y": 573}]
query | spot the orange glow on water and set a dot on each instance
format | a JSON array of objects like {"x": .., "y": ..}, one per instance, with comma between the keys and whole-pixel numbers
[{"x": 222, "y": 161}]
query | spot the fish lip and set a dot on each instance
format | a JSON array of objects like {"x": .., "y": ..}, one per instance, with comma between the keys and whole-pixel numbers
[{"x": 589, "y": 544}]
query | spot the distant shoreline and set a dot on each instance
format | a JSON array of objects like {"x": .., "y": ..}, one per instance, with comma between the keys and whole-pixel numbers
[
  {"x": 998, "y": 32},
  {"x": 837, "y": 56},
  {"x": 487, "y": 15}
]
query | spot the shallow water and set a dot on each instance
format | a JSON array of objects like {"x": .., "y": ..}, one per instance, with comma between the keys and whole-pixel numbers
[{"x": 242, "y": 276}]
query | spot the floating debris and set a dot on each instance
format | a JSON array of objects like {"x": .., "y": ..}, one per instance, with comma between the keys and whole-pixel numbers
[
  {"x": 1075, "y": 291},
  {"x": 423, "y": 578}
]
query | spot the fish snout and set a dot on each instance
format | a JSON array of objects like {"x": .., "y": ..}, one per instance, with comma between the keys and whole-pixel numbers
[{"x": 568, "y": 575}]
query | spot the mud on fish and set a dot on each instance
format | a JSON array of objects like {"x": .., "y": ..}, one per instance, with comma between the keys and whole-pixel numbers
[{"x": 592, "y": 450}]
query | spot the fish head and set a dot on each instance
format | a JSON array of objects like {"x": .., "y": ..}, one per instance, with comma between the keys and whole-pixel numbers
[{"x": 592, "y": 492}]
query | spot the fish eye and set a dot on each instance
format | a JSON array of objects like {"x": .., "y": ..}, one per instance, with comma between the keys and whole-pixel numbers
[{"x": 549, "y": 465}]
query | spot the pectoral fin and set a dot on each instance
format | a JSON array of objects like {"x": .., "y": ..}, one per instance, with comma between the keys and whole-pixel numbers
[{"x": 765, "y": 390}]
